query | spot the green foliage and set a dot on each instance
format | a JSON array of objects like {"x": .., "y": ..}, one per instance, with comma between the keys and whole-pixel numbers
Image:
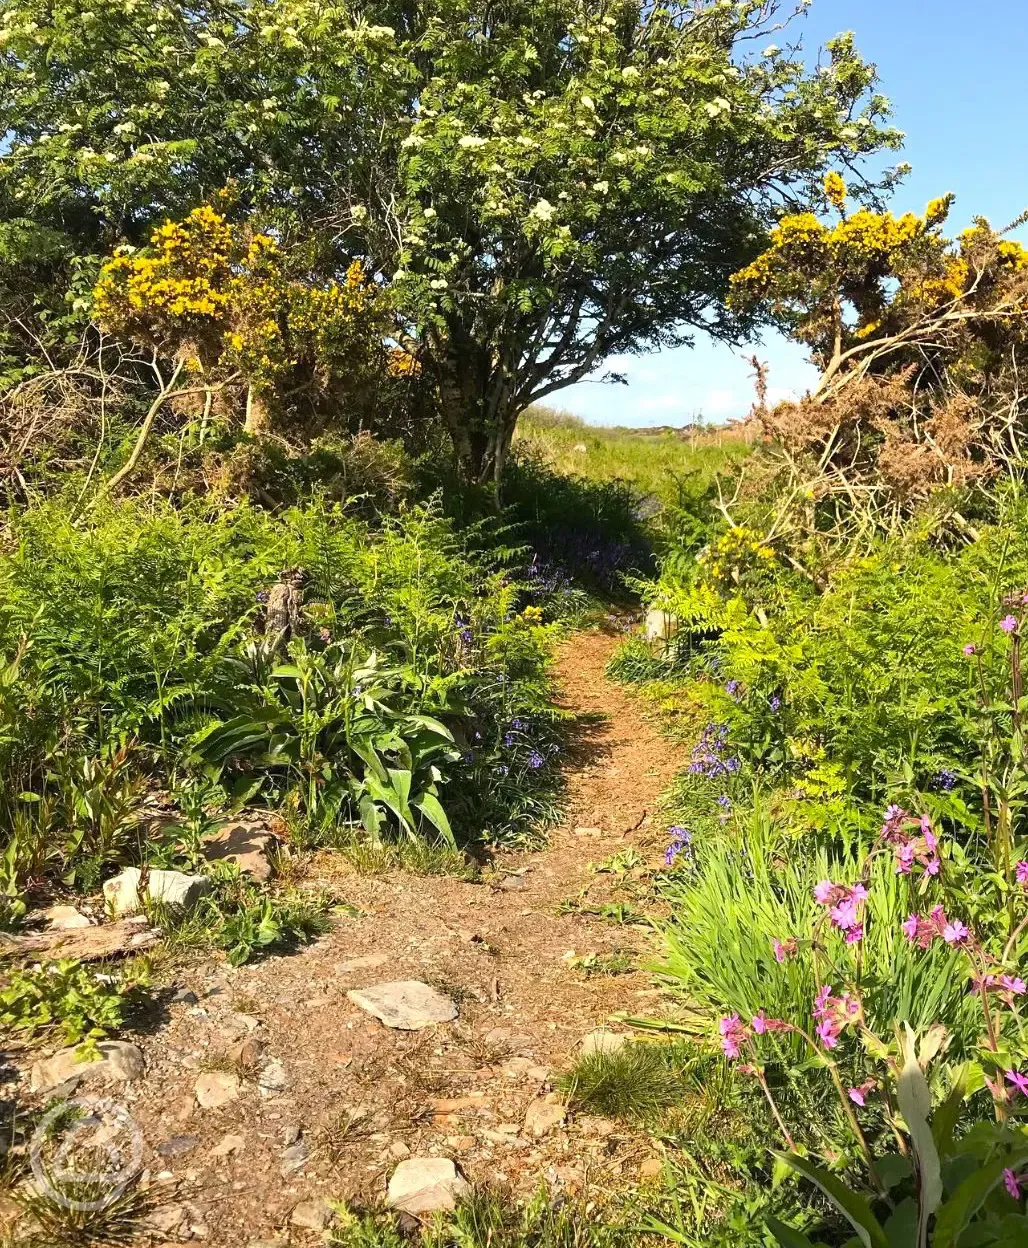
[
  {"x": 750, "y": 890},
  {"x": 247, "y": 921},
  {"x": 636, "y": 1080},
  {"x": 415, "y": 699},
  {"x": 80, "y": 1003},
  {"x": 489, "y": 1220}
]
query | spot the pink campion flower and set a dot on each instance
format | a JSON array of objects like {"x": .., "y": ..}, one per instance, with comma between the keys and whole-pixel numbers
[
  {"x": 1013, "y": 984},
  {"x": 844, "y": 915},
  {"x": 1011, "y": 1184},
  {"x": 759, "y": 1023},
  {"x": 905, "y": 858},
  {"x": 824, "y": 892},
  {"x": 1008, "y": 623},
  {"x": 931, "y": 867},
  {"x": 828, "y": 1033},
  {"x": 909, "y": 926},
  {"x": 1022, "y": 873},
  {"x": 859, "y": 894},
  {"x": 733, "y": 1033},
  {"x": 970, "y": 649},
  {"x": 855, "y": 934},
  {"x": 784, "y": 949},
  {"x": 856, "y": 1095},
  {"x": 1019, "y": 1081},
  {"x": 955, "y": 933}
]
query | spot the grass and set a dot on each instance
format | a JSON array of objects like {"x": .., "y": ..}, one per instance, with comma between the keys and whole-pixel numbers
[
  {"x": 490, "y": 1220},
  {"x": 657, "y": 462},
  {"x": 636, "y": 1081}
]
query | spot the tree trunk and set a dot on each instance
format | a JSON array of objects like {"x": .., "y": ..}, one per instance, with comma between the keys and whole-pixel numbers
[{"x": 258, "y": 417}]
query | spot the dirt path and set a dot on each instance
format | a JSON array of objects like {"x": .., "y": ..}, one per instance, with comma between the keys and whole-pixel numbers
[{"x": 357, "y": 1096}]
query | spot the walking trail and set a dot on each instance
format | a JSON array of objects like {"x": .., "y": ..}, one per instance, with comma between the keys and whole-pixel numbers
[{"x": 348, "y": 1098}]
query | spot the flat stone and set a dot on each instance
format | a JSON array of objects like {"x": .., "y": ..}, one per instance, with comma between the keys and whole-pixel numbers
[
  {"x": 542, "y": 1116},
  {"x": 228, "y": 1144},
  {"x": 421, "y": 1185},
  {"x": 166, "y": 1219},
  {"x": 216, "y": 1088},
  {"x": 69, "y": 1064},
  {"x": 294, "y": 1158},
  {"x": 651, "y": 1168},
  {"x": 113, "y": 1059},
  {"x": 312, "y": 1215},
  {"x": 603, "y": 1041},
  {"x": 64, "y": 918},
  {"x": 171, "y": 888},
  {"x": 273, "y": 1078},
  {"x": 177, "y": 1145},
  {"x": 407, "y": 1005},
  {"x": 245, "y": 846},
  {"x": 366, "y": 963}
]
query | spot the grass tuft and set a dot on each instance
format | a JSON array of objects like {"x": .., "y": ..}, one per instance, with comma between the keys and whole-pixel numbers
[{"x": 637, "y": 1081}]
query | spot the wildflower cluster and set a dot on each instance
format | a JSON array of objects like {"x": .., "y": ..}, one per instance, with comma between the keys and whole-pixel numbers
[
  {"x": 680, "y": 845},
  {"x": 709, "y": 754},
  {"x": 845, "y": 907},
  {"x": 920, "y": 848},
  {"x": 735, "y": 554},
  {"x": 832, "y": 1014}
]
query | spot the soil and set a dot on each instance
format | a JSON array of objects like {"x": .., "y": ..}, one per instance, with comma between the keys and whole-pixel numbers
[{"x": 358, "y": 1097}]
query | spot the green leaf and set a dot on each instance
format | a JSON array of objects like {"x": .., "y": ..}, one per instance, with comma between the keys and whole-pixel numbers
[
  {"x": 853, "y": 1206},
  {"x": 954, "y": 1215},
  {"x": 432, "y": 809},
  {"x": 787, "y": 1236}
]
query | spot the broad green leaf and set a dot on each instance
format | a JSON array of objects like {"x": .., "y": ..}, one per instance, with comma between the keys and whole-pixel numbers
[
  {"x": 851, "y": 1205},
  {"x": 432, "y": 809},
  {"x": 787, "y": 1236}
]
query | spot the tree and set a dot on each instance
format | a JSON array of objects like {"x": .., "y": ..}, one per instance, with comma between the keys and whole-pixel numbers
[{"x": 541, "y": 183}]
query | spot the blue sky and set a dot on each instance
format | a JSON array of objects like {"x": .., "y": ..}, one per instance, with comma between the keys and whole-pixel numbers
[{"x": 956, "y": 75}]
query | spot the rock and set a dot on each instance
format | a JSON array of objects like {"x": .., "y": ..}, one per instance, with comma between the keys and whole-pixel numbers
[
  {"x": 245, "y": 1053},
  {"x": 216, "y": 1088},
  {"x": 294, "y": 1158},
  {"x": 588, "y": 831},
  {"x": 265, "y": 1243},
  {"x": 166, "y": 1219},
  {"x": 651, "y": 1168},
  {"x": 513, "y": 884},
  {"x": 659, "y": 625},
  {"x": 121, "y": 1060},
  {"x": 64, "y": 918},
  {"x": 398, "y": 1151},
  {"x": 68, "y": 1065},
  {"x": 170, "y": 888},
  {"x": 601, "y": 1127},
  {"x": 87, "y": 944},
  {"x": 185, "y": 996},
  {"x": 542, "y": 1116},
  {"x": 312, "y": 1215},
  {"x": 408, "y": 1005},
  {"x": 177, "y": 1145},
  {"x": 273, "y": 1078},
  {"x": 291, "y": 1132},
  {"x": 603, "y": 1041},
  {"x": 366, "y": 963},
  {"x": 246, "y": 846},
  {"x": 114, "y": 1059},
  {"x": 423, "y": 1184},
  {"x": 228, "y": 1144}
]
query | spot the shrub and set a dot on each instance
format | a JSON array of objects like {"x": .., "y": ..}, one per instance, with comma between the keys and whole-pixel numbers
[{"x": 79, "y": 1002}]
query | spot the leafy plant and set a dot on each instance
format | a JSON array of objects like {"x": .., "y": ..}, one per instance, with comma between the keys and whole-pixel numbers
[{"x": 81, "y": 1003}]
